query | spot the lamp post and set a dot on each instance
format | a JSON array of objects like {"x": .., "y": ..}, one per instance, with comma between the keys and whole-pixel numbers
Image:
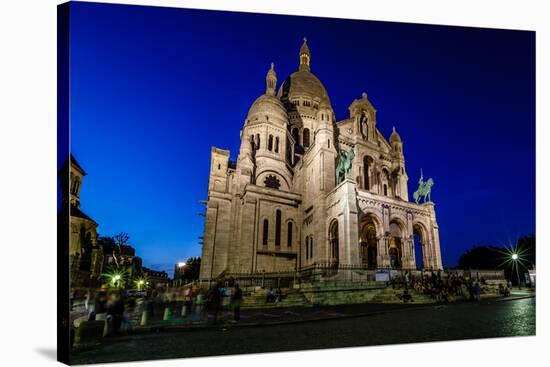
[
  {"x": 181, "y": 265},
  {"x": 515, "y": 259}
]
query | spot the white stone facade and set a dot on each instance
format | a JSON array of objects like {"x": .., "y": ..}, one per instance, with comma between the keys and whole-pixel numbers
[{"x": 278, "y": 208}]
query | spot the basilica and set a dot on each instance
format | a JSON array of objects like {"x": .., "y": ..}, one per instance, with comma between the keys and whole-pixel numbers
[{"x": 289, "y": 201}]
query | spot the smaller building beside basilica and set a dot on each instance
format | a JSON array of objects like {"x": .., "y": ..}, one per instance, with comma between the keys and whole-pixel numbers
[
  {"x": 85, "y": 255},
  {"x": 309, "y": 189}
]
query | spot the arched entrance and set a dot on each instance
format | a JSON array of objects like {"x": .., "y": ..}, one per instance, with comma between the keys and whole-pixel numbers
[
  {"x": 333, "y": 241},
  {"x": 419, "y": 243},
  {"x": 395, "y": 245},
  {"x": 368, "y": 242}
]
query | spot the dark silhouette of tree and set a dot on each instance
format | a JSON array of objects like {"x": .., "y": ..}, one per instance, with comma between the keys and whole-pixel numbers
[
  {"x": 121, "y": 239},
  {"x": 481, "y": 257},
  {"x": 488, "y": 257},
  {"x": 192, "y": 269}
]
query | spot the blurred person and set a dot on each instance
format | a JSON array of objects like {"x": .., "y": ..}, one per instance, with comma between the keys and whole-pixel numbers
[
  {"x": 236, "y": 300},
  {"x": 115, "y": 311}
]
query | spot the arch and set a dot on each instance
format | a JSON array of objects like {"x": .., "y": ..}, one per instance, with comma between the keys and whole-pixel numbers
[
  {"x": 296, "y": 135},
  {"x": 75, "y": 185},
  {"x": 367, "y": 164},
  {"x": 395, "y": 246},
  {"x": 420, "y": 240},
  {"x": 265, "y": 233},
  {"x": 309, "y": 248},
  {"x": 368, "y": 241},
  {"x": 334, "y": 243},
  {"x": 289, "y": 233},
  {"x": 278, "y": 216},
  {"x": 283, "y": 180},
  {"x": 306, "y": 138}
]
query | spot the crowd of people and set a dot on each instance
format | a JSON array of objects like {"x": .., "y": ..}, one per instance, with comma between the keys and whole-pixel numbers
[
  {"x": 443, "y": 288},
  {"x": 121, "y": 309}
]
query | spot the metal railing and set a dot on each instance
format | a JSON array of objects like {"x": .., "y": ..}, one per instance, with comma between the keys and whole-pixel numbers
[{"x": 330, "y": 272}]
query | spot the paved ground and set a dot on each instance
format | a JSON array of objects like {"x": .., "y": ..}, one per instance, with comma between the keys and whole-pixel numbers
[{"x": 418, "y": 324}]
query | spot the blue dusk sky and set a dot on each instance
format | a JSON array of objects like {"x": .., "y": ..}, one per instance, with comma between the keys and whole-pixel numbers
[{"x": 153, "y": 89}]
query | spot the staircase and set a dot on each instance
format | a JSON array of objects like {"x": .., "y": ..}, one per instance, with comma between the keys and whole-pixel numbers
[
  {"x": 390, "y": 295},
  {"x": 256, "y": 299}
]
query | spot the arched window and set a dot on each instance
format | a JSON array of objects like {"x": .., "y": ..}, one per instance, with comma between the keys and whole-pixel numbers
[
  {"x": 75, "y": 186},
  {"x": 277, "y": 144},
  {"x": 307, "y": 248},
  {"x": 270, "y": 143},
  {"x": 289, "y": 234},
  {"x": 366, "y": 173},
  {"x": 306, "y": 138},
  {"x": 296, "y": 135},
  {"x": 277, "y": 227},
  {"x": 333, "y": 235},
  {"x": 257, "y": 141},
  {"x": 266, "y": 232},
  {"x": 385, "y": 190},
  {"x": 311, "y": 247}
]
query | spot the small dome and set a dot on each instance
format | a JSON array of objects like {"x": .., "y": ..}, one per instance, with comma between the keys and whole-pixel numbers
[
  {"x": 395, "y": 138},
  {"x": 304, "y": 83},
  {"x": 268, "y": 105}
]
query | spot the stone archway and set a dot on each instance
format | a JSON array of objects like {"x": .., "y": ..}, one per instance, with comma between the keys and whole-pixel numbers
[
  {"x": 420, "y": 242},
  {"x": 368, "y": 242},
  {"x": 395, "y": 245},
  {"x": 334, "y": 243}
]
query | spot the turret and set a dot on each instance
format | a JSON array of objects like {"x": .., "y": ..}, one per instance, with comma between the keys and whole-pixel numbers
[
  {"x": 305, "y": 56},
  {"x": 395, "y": 142},
  {"x": 271, "y": 81}
]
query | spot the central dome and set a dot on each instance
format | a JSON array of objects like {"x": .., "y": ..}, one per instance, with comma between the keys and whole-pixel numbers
[{"x": 303, "y": 83}]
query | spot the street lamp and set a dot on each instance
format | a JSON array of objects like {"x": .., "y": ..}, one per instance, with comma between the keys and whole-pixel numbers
[
  {"x": 181, "y": 265},
  {"x": 515, "y": 258},
  {"x": 116, "y": 280}
]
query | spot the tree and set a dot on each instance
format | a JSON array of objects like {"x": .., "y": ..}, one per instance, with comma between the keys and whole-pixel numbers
[
  {"x": 191, "y": 270},
  {"x": 481, "y": 257},
  {"x": 120, "y": 239},
  {"x": 488, "y": 257}
]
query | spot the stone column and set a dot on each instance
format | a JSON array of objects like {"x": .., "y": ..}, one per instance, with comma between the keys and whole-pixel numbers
[{"x": 349, "y": 235}]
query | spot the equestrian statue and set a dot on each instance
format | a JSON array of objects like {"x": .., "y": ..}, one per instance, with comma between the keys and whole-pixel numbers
[
  {"x": 424, "y": 189},
  {"x": 343, "y": 169}
]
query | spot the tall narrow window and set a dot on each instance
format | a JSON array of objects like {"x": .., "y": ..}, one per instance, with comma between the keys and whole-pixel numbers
[
  {"x": 311, "y": 247},
  {"x": 366, "y": 172},
  {"x": 277, "y": 144},
  {"x": 329, "y": 143},
  {"x": 289, "y": 234},
  {"x": 270, "y": 143},
  {"x": 257, "y": 141},
  {"x": 333, "y": 233},
  {"x": 296, "y": 135},
  {"x": 385, "y": 190},
  {"x": 278, "y": 228},
  {"x": 307, "y": 248},
  {"x": 306, "y": 138},
  {"x": 266, "y": 232}
]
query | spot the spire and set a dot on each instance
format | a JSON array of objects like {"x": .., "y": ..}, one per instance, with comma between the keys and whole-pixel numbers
[
  {"x": 271, "y": 81},
  {"x": 305, "y": 56}
]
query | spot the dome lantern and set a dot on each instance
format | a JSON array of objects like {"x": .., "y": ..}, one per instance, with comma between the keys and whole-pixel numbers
[
  {"x": 271, "y": 81},
  {"x": 305, "y": 56}
]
